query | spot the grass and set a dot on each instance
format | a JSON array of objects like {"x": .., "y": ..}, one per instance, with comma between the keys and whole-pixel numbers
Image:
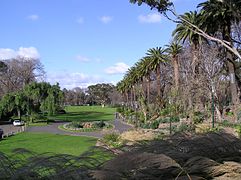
[
  {"x": 86, "y": 113},
  {"x": 41, "y": 143}
]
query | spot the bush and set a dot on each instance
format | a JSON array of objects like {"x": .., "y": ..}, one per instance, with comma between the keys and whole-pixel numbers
[
  {"x": 174, "y": 119},
  {"x": 198, "y": 117},
  {"x": 100, "y": 124},
  {"x": 75, "y": 124},
  {"x": 112, "y": 139},
  {"x": 185, "y": 128},
  {"x": 226, "y": 123},
  {"x": 238, "y": 130}
]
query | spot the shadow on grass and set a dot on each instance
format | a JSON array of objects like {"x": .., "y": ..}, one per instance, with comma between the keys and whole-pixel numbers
[{"x": 25, "y": 164}]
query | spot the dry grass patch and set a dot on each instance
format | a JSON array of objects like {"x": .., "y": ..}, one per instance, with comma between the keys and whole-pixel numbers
[{"x": 138, "y": 135}]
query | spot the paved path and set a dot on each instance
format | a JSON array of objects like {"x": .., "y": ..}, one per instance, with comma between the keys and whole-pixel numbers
[
  {"x": 9, "y": 129},
  {"x": 53, "y": 128}
]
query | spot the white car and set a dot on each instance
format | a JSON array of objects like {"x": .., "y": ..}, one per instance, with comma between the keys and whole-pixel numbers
[{"x": 18, "y": 123}]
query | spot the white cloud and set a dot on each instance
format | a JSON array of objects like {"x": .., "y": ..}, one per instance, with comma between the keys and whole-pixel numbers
[
  {"x": 29, "y": 52},
  {"x": 33, "y": 17},
  {"x": 82, "y": 58},
  {"x": 7, "y": 54},
  {"x": 80, "y": 20},
  {"x": 72, "y": 80},
  {"x": 106, "y": 19},
  {"x": 118, "y": 68},
  {"x": 150, "y": 18}
]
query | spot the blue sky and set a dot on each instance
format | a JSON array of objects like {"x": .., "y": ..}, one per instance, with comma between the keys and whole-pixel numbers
[{"x": 83, "y": 42}]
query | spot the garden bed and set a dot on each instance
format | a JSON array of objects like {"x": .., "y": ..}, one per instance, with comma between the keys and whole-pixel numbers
[{"x": 86, "y": 126}]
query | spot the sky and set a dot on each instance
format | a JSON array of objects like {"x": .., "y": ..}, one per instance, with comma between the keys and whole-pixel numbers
[{"x": 82, "y": 42}]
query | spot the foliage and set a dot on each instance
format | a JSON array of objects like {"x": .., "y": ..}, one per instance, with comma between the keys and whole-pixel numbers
[
  {"x": 238, "y": 130},
  {"x": 75, "y": 124},
  {"x": 161, "y": 5},
  {"x": 99, "y": 124},
  {"x": 185, "y": 128},
  {"x": 112, "y": 139},
  {"x": 34, "y": 97},
  {"x": 99, "y": 94},
  {"x": 198, "y": 117},
  {"x": 155, "y": 124}
]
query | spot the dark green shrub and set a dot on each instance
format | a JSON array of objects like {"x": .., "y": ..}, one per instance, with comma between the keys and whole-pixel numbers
[
  {"x": 120, "y": 110},
  {"x": 99, "y": 124},
  {"x": 112, "y": 139},
  {"x": 174, "y": 119},
  {"x": 198, "y": 117},
  {"x": 164, "y": 120},
  {"x": 238, "y": 130},
  {"x": 154, "y": 124},
  {"x": 75, "y": 124},
  {"x": 185, "y": 128}
]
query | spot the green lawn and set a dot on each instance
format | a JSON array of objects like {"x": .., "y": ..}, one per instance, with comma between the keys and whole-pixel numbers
[
  {"x": 86, "y": 113},
  {"x": 42, "y": 143}
]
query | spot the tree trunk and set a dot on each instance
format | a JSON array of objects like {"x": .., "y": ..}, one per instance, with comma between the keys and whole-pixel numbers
[
  {"x": 233, "y": 85},
  {"x": 148, "y": 89},
  {"x": 176, "y": 72},
  {"x": 158, "y": 82},
  {"x": 19, "y": 114},
  {"x": 231, "y": 70}
]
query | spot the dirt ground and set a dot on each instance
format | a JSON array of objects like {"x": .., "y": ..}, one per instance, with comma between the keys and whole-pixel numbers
[{"x": 182, "y": 156}]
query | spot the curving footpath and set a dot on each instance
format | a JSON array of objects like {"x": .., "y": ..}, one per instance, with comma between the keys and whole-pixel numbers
[{"x": 53, "y": 128}]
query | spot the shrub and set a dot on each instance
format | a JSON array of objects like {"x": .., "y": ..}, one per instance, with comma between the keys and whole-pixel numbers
[
  {"x": 75, "y": 124},
  {"x": 112, "y": 139},
  {"x": 198, "y": 117},
  {"x": 185, "y": 128},
  {"x": 238, "y": 130},
  {"x": 99, "y": 124},
  {"x": 174, "y": 119}
]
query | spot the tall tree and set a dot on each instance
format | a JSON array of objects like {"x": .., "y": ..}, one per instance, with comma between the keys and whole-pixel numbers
[
  {"x": 157, "y": 56},
  {"x": 219, "y": 17},
  {"x": 183, "y": 33},
  {"x": 174, "y": 49}
]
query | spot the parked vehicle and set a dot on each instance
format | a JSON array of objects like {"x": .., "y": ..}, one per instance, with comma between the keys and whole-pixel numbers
[
  {"x": 1, "y": 133},
  {"x": 18, "y": 123}
]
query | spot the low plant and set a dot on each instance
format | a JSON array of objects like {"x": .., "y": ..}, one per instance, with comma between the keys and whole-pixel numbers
[
  {"x": 198, "y": 117},
  {"x": 238, "y": 130},
  {"x": 99, "y": 124},
  {"x": 185, "y": 128},
  {"x": 112, "y": 140}
]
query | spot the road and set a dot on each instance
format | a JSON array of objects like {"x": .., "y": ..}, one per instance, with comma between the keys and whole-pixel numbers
[
  {"x": 53, "y": 128},
  {"x": 9, "y": 129}
]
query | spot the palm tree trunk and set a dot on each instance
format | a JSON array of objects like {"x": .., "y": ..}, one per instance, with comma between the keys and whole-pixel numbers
[
  {"x": 134, "y": 93},
  {"x": 158, "y": 83},
  {"x": 148, "y": 89},
  {"x": 231, "y": 70},
  {"x": 194, "y": 58},
  {"x": 176, "y": 71}
]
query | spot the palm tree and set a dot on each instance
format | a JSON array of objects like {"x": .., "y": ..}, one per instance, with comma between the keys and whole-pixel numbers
[
  {"x": 218, "y": 17},
  {"x": 143, "y": 67},
  {"x": 156, "y": 56},
  {"x": 174, "y": 49},
  {"x": 184, "y": 32}
]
